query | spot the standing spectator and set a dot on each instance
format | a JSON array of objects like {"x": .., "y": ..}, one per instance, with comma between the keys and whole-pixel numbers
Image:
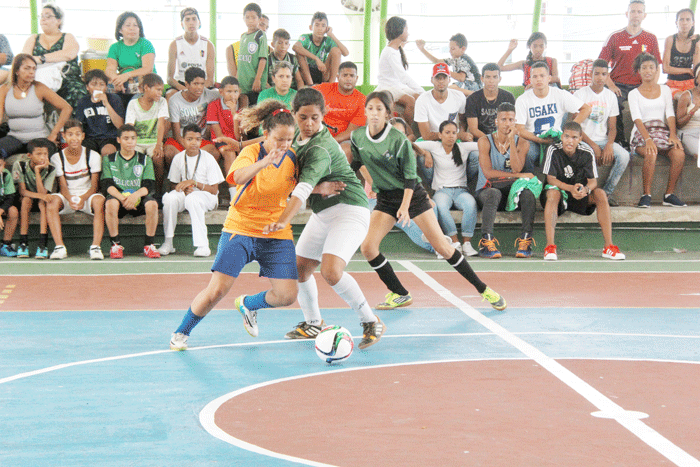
[
  {"x": 194, "y": 180},
  {"x": 22, "y": 101},
  {"x": 620, "y": 50},
  {"x": 319, "y": 52},
  {"x": 251, "y": 64},
  {"x": 502, "y": 155},
  {"x": 5, "y": 58},
  {"x": 393, "y": 68},
  {"x": 280, "y": 53},
  {"x": 687, "y": 118},
  {"x": 101, "y": 114},
  {"x": 572, "y": 186},
  {"x": 651, "y": 106},
  {"x": 131, "y": 57},
  {"x": 345, "y": 105},
  {"x": 464, "y": 71},
  {"x": 188, "y": 50},
  {"x": 600, "y": 128},
  {"x": 681, "y": 53},
  {"x": 542, "y": 108},
  {"x": 537, "y": 44},
  {"x": 54, "y": 46}
]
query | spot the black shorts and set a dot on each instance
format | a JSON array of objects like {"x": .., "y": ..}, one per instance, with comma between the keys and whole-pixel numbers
[
  {"x": 139, "y": 211},
  {"x": 390, "y": 202},
  {"x": 316, "y": 75},
  {"x": 579, "y": 206},
  {"x": 97, "y": 144},
  {"x": 252, "y": 98}
]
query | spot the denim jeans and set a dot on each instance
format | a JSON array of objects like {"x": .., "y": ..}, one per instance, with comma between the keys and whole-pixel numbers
[
  {"x": 445, "y": 198},
  {"x": 532, "y": 160},
  {"x": 620, "y": 160},
  {"x": 412, "y": 230}
]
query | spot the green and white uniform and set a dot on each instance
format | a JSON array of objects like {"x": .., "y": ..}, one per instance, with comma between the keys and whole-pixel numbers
[
  {"x": 253, "y": 49},
  {"x": 128, "y": 175}
]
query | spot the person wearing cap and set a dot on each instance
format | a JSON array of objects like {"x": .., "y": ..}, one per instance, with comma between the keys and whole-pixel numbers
[
  {"x": 620, "y": 50},
  {"x": 189, "y": 50}
]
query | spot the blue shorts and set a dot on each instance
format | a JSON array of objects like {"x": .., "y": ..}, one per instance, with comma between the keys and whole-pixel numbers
[{"x": 277, "y": 258}]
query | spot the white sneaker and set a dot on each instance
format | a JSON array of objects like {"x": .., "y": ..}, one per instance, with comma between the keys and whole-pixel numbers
[
  {"x": 178, "y": 341},
  {"x": 456, "y": 246},
  {"x": 96, "y": 252},
  {"x": 250, "y": 317},
  {"x": 59, "y": 252},
  {"x": 165, "y": 249},
  {"x": 468, "y": 249},
  {"x": 202, "y": 251}
]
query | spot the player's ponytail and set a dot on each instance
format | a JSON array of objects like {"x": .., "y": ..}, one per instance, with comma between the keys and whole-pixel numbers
[
  {"x": 456, "y": 153},
  {"x": 392, "y": 30},
  {"x": 269, "y": 114}
]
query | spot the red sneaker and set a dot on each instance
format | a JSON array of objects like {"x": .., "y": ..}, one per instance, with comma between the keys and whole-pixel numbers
[
  {"x": 150, "y": 251},
  {"x": 116, "y": 252},
  {"x": 612, "y": 252},
  {"x": 550, "y": 253}
]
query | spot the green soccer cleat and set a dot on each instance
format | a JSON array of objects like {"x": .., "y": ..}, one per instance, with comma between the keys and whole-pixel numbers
[
  {"x": 496, "y": 301},
  {"x": 394, "y": 300}
]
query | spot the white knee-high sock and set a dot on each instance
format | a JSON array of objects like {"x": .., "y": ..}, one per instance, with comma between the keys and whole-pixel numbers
[
  {"x": 308, "y": 300},
  {"x": 349, "y": 290}
]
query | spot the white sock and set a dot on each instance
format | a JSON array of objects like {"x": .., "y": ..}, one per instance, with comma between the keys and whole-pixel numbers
[
  {"x": 232, "y": 192},
  {"x": 168, "y": 241},
  {"x": 308, "y": 301},
  {"x": 349, "y": 290}
]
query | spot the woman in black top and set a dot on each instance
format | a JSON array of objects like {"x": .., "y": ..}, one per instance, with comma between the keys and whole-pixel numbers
[{"x": 681, "y": 53}]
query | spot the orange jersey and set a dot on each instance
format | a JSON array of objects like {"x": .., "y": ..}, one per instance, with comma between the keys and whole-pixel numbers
[{"x": 262, "y": 200}]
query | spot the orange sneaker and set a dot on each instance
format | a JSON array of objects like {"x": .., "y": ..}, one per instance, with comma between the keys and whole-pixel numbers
[
  {"x": 116, "y": 252},
  {"x": 150, "y": 251},
  {"x": 613, "y": 252},
  {"x": 550, "y": 253}
]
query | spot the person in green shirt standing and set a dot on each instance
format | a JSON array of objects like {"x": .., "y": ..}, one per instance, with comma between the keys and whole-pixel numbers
[
  {"x": 282, "y": 89},
  {"x": 388, "y": 156},
  {"x": 336, "y": 227},
  {"x": 252, "y": 55}
]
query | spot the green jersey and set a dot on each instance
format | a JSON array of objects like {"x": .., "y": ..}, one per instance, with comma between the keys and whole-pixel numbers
[
  {"x": 321, "y": 159},
  {"x": 127, "y": 175},
  {"x": 253, "y": 49},
  {"x": 22, "y": 172},
  {"x": 321, "y": 51},
  {"x": 271, "y": 93},
  {"x": 7, "y": 190},
  {"x": 389, "y": 159}
]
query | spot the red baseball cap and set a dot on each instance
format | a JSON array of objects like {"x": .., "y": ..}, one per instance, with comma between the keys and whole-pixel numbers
[{"x": 441, "y": 68}]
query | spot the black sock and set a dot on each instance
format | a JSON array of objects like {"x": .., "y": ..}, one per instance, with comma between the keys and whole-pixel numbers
[
  {"x": 43, "y": 238},
  {"x": 116, "y": 240},
  {"x": 24, "y": 239},
  {"x": 149, "y": 240},
  {"x": 386, "y": 273},
  {"x": 460, "y": 263}
]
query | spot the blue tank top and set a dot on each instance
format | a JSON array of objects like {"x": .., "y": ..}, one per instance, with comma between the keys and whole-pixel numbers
[{"x": 498, "y": 162}]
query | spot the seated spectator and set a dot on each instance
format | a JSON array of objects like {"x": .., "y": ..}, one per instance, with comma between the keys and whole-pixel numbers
[
  {"x": 651, "y": 106},
  {"x": 22, "y": 101},
  {"x": 8, "y": 211},
  {"x": 128, "y": 183},
  {"x": 59, "y": 51},
  {"x": 600, "y": 128},
  {"x": 194, "y": 180},
  {"x": 280, "y": 53},
  {"x": 542, "y": 108},
  {"x": 251, "y": 62},
  {"x": 681, "y": 53},
  {"x": 687, "y": 119},
  {"x": 78, "y": 173},
  {"x": 189, "y": 106},
  {"x": 464, "y": 72},
  {"x": 319, "y": 52},
  {"x": 35, "y": 177},
  {"x": 502, "y": 155},
  {"x": 572, "y": 186},
  {"x": 393, "y": 74},
  {"x": 345, "y": 105},
  {"x": 5, "y": 58},
  {"x": 221, "y": 123},
  {"x": 130, "y": 58},
  {"x": 448, "y": 159},
  {"x": 282, "y": 85},
  {"x": 537, "y": 43},
  {"x": 101, "y": 114},
  {"x": 481, "y": 107},
  {"x": 188, "y": 50}
]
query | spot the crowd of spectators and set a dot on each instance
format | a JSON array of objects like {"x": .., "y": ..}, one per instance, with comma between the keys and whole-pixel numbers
[{"x": 474, "y": 141}]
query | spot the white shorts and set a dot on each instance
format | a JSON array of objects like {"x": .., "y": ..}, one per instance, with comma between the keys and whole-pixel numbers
[
  {"x": 396, "y": 93},
  {"x": 338, "y": 230},
  {"x": 146, "y": 148},
  {"x": 87, "y": 206}
]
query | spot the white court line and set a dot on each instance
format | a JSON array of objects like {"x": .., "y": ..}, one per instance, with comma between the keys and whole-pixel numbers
[{"x": 655, "y": 440}]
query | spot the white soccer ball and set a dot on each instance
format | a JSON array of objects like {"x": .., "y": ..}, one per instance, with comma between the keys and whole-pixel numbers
[{"x": 334, "y": 344}]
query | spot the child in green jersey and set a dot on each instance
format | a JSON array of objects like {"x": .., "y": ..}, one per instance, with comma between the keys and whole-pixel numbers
[
  {"x": 336, "y": 227},
  {"x": 389, "y": 158}
]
